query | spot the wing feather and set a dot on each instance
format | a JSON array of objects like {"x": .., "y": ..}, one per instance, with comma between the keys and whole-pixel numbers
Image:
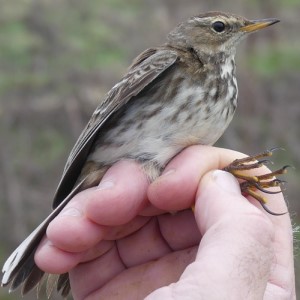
[{"x": 146, "y": 68}]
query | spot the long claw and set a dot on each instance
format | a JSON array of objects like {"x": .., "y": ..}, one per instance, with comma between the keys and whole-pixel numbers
[
  {"x": 251, "y": 184},
  {"x": 265, "y": 162},
  {"x": 265, "y": 190},
  {"x": 276, "y": 149},
  {"x": 265, "y": 207}
]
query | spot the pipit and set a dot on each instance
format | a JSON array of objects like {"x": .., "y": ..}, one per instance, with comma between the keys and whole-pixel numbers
[{"x": 181, "y": 93}]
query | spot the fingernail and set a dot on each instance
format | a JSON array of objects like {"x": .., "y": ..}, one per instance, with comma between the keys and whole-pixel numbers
[
  {"x": 48, "y": 243},
  {"x": 226, "y": 181},
  {"x": 105, "y": 185},
  {"x": 171, "y": 171},
  {"x": 71, "y": 212}
]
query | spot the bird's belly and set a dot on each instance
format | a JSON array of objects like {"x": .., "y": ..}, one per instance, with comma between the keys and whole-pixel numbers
[{"x": 157, "y": 131}]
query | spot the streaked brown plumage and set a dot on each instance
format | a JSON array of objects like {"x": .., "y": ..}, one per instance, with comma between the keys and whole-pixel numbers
[{"x": 179, "y": 94}]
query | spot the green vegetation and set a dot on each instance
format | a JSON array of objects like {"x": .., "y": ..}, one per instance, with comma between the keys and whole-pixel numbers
[
  {"x": 39, "y": 40},
  {"x": 272, "y": 62}
]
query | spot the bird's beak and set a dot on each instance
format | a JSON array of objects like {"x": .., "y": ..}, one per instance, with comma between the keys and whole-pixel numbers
[{"x": 258, "y": 24}]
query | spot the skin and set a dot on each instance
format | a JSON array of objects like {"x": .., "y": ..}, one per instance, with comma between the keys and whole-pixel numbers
[{"x": 228, "y": 249}]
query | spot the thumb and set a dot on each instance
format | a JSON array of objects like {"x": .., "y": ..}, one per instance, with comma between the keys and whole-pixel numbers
[
  {"x": 219, "y": 195},
  {"x": 236, "y": 249}
]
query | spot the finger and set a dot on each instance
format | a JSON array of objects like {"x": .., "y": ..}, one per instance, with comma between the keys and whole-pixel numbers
[
  {"x": 158, "y": 237},
  {"x": 115, "y": 201},
  {"x": 176, "y": 189},
  {"x": 145, "y": 245},
  {"x": 282, "y": 278},
  {"x": 89, "y": 276},
  {"x": 179, "y": 230},
  {"x": 139, "y": 281},
  {"x": 71, "y": 230},
  {"x": 118, "y": 199},
  {"x": 53, "y": 260},
  {"x": 233, "y": 255},
  {"x": 120, "y": 196},
  {"x": 238, "y": 237}
]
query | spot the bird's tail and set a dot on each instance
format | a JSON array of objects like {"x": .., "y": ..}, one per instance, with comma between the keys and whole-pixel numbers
[{"x": 20, "y": 268}]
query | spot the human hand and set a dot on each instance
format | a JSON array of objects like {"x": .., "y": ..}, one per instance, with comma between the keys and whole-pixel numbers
[{"x": 243, "y": 254}]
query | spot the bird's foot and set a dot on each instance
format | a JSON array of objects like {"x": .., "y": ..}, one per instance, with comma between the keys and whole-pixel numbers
[{"x": 251, "y": 185}]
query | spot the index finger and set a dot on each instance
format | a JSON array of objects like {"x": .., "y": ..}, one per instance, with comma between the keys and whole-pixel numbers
[{"x": 176, "y": 188}]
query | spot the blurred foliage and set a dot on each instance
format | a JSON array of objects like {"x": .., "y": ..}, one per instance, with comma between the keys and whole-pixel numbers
[
  {"x": 270, "y": 62},
  {"x": 38, "y": 39},
  {"x": 58, "y": 58}
]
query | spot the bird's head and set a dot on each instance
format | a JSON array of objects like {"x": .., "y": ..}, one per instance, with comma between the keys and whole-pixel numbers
[{"x": 215, "y": 32}]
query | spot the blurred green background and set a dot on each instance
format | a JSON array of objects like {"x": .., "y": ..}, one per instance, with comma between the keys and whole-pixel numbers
[{"x": 59, "y": 58}]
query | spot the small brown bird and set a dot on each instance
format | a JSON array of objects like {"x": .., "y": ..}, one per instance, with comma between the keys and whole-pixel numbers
[{"x": 176, "y": 95}]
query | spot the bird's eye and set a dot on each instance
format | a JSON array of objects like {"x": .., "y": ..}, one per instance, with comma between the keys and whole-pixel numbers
[{"x": 218, "y": 26}]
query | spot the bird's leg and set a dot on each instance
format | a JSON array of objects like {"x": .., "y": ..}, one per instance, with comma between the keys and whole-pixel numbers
[{"x": 250, "y": 185}]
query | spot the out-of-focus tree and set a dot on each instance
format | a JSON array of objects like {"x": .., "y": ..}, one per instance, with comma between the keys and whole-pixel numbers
[{"x": 58, "y": 58}]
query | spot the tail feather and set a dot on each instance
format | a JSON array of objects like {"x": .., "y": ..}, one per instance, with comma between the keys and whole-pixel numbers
[
  {"x": 51, "y": 284},
  {"x": 63, "y": 284},
  {"x": 32, "y": 280},
  {"x": 21, "y": 262},
  {"x": 20, "y": 267}
]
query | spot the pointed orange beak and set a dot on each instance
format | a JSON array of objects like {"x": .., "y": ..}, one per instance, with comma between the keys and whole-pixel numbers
[{"x": 258, "y": 24}]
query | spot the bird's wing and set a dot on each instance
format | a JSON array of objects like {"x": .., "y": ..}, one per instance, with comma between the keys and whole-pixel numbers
[
  {"x": 146, "y": 68},
  {"x": 20, "y": 267}
]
